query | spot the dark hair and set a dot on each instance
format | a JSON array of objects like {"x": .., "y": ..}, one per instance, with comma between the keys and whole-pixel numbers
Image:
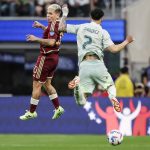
[
  {"x": 97, "y": 14},
  {"x": 124, "y": 70}
]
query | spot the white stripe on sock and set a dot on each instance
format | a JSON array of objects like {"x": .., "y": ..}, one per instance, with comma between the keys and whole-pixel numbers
[
  {"x": 53, "y": 96},
  {"x": 34, "y": 101}
]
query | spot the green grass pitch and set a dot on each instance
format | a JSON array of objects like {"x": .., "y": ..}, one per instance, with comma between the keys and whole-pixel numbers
[{"x": 69, "y": 142}]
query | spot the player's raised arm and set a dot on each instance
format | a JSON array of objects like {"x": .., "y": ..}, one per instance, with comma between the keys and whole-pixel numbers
[
  {"x": 46, "y": 42},
  {"x": 118, "y": 47},
  {"x": 37, "y": 24},
  {"x": 62, "y": 24}
]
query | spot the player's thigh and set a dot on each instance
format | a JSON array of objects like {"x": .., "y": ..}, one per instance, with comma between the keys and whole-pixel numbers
[
  {"x": 105, "y": 80},
  {"x": 40, "y": 69},
  {"x": 86, "y": 82}
]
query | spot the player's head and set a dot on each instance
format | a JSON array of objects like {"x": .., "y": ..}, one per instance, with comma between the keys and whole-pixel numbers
[
  {"x": 53, "y": 12},
  {"x": 97, "y": 14}
]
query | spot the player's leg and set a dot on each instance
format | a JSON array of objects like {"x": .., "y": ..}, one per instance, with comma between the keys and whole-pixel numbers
[
  {"x": 54, "y": 98},
  {"x": 78, "y": 93},
  {"x": 103, "y": 78},
  {"x": 39, "y": 77},
  {"x": 112, "y": 96},
  {"x": 108, "y": 84},
  {"x": 84, "y": 84},
  {"x": 36, "y": 92}
]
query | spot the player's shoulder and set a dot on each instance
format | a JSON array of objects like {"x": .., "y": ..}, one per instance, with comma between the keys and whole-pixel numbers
[
  {"x": 105, "y": 32},
  {"x": 85, "y": 24}
]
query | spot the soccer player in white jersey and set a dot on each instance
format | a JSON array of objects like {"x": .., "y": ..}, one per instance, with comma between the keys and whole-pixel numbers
[{"x": 92, "y": 41}]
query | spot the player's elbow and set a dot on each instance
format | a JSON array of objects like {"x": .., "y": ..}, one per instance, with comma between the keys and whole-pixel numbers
[{"x": 113, "y": 49}]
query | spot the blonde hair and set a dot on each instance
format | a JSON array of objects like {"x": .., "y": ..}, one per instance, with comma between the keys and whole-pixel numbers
[{"x": 55, "y": 7}]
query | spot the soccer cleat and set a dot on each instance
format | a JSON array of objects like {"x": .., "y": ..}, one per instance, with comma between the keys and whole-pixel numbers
[
  {"x": 58, "y": 112},
  {"x": 28, "y": 115},
  {"x": 73, "y": 83},
  {"x": 116, "y": 104}
]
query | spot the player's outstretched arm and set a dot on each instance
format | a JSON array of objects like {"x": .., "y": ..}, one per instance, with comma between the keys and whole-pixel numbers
[
  {"x": 118, "y": 47},
  {"x": 37, "y": 24},
  {"x": 47, "y": 42},
  {"x": 62, "y": 24}
]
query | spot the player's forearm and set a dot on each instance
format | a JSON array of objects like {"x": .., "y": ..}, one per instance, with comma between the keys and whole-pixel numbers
[
  {"x": 43, "y": 27},
  {"x": 118, "y": 47},
  {"x": 37, "y": 24},
  {"x": 62, "y": 24},
  {"x": 46, "y": 42}
]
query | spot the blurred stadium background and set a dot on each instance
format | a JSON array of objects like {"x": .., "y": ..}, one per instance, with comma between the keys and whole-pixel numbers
[{"x": 78, "y": 128}]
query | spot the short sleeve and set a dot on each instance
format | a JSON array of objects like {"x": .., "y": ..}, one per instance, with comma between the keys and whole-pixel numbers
[
  {"x": 106, "y": 39},
  {"x": 72, "y": 28}
]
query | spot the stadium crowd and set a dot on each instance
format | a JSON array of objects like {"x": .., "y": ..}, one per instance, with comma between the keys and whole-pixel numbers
[{"x": 78, "y": 8}]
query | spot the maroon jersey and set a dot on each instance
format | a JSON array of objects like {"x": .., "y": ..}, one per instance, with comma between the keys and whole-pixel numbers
[
  {"x": 48, "y": 59},
  {"x": 48, "y": 34}
]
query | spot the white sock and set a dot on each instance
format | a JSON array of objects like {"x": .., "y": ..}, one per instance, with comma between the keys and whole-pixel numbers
[
  {"x": 53, "y": 96},
  {"x": 34, "y": 101},
  {"x": 112, "y": 92}
]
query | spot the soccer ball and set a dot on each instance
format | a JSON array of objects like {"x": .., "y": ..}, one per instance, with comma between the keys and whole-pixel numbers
[{"x": 115, "y": 137}]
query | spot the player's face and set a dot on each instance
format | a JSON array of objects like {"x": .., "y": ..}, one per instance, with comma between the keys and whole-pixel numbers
[{"x": 51, "y": 15}]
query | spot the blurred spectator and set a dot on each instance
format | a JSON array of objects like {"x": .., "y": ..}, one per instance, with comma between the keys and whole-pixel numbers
[
  {"x": 5, "y": 7},
  {"x": 124, "y": 85},
  {"x": 100, "y": 3},
  {"x": 39, "y": 8},
  {"x": 146, "y": 79},
  {"x": 72, "y": 8},
  {"x": 139, "y": 90},
  {"x": 80, "y": 8},
  {"x": 22, "y": 8},
  {"x": 83, "y": 8}
]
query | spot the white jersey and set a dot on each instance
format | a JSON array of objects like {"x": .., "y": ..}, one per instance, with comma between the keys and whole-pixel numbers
[{"x": 91, "y": 38}]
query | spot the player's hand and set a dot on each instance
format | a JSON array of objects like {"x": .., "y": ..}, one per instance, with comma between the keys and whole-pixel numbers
[
  {"x": 65, "y": 10},
  {"x": 129, "y": 39},
  {"x": 37, "y": 24},
  {"x": 31, "y": 38}
]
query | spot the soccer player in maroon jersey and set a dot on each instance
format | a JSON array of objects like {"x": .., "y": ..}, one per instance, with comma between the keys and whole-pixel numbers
[{"x": 46, "y": 63}]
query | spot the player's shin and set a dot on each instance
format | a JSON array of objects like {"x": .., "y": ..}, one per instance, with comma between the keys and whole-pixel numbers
[
  {"x": 112, "y": 96},
  {"x": 33, "y": 104},
  {"x": 79, "y": 96}
]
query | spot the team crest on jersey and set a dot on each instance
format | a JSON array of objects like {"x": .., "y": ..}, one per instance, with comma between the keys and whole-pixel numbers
[{"x": 52, "y": 33}]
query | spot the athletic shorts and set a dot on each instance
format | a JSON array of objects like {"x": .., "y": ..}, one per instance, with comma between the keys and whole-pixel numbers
[
  {"x": 45, "y": 67},
  {"x": 93, "y": 73}
]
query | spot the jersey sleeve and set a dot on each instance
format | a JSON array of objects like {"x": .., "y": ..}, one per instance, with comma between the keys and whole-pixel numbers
[
  {"x": 107, "y": 39},
  {"x": 72, "y": 28}
]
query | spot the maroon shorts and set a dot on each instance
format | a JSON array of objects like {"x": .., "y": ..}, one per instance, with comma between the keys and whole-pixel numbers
[{"x": 45, "y": 67}]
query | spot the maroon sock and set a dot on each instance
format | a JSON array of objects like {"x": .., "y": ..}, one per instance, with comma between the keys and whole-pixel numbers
[
  {"x": 32, "y": 108},
  {"x": 55, "y": 102}
]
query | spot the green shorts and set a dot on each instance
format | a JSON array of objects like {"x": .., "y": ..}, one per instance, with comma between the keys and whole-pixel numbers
[{"x": 93, "y": 73}]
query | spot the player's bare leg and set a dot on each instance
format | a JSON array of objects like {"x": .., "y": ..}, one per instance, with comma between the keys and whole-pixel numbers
[
  {"x": 31, "y": 113},
  {"x": 54, "y": 98},
  {"x": 78, "y": 94}
]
